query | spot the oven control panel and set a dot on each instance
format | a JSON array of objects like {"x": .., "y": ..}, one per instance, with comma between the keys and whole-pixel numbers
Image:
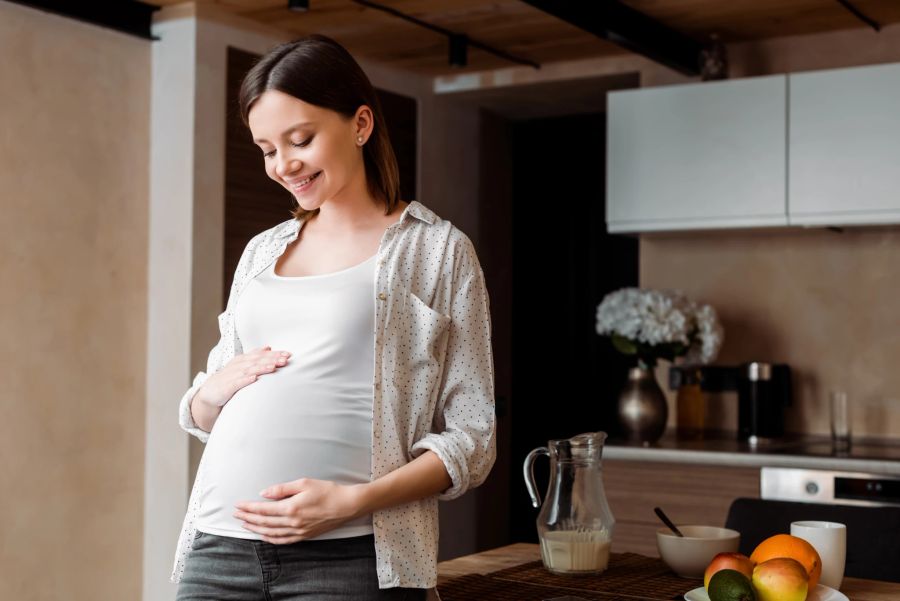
[{"x": 825, "y": 486}]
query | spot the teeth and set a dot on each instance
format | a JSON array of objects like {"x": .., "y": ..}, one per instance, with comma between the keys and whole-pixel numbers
[{"x": 306, "y": 181}]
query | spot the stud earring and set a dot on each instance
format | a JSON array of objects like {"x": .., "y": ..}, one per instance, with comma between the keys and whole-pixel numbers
[{"x": 359, "y": 139}]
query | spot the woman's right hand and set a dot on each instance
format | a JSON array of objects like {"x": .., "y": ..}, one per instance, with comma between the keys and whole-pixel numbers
[{"x": 241, "y": 371}]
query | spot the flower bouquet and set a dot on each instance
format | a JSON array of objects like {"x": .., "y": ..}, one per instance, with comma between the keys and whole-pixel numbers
[
  {"x": 659, "y": 324},
  {"x": 653, "y": 325}
]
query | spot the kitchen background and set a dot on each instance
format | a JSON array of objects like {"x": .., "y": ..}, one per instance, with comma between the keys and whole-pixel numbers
[{"x": 114, "y": 238}]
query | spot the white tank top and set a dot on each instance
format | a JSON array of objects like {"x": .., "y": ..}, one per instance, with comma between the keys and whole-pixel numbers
[{"x": 311, "y": 418}]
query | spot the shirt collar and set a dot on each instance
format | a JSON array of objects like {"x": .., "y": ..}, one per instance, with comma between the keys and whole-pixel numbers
[{"x": 414, "y": 208}]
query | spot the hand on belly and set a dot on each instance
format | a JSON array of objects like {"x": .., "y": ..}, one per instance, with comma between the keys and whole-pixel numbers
[{"x": 300, "y": 509}]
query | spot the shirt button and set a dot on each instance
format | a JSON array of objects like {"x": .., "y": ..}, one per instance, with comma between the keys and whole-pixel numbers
[
  {"x": 378, "y": 523},
  {"x": 378, "y": 385},
  {"x": 382, "y": 295}
]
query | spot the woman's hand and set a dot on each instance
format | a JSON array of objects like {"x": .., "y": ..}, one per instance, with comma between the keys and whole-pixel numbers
[
  {"x": 306, "y": 508},
  {"x": 241, "y": 371}
]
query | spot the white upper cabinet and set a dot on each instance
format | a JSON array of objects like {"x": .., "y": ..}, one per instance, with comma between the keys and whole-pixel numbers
[
  {"x": 844, "y": 140},
  {"x": 697, "y": 156}
]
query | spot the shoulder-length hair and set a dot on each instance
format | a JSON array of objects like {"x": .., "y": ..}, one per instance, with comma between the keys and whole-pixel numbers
[{"x": 318, "y": 70}]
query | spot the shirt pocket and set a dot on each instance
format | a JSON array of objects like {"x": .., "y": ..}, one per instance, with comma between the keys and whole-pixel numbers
[{"x": 423, "y": 344}]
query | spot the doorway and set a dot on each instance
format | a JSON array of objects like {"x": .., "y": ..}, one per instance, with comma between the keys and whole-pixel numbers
[
  {"x": 565, "y": 377},
  {"x": 542, "y": 191}
]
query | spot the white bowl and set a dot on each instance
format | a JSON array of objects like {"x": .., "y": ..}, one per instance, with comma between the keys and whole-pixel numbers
[{"x": 688, "y": 556}]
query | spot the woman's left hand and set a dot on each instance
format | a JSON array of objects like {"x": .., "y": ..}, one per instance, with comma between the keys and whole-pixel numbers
[{"x": 304, "y": 508}]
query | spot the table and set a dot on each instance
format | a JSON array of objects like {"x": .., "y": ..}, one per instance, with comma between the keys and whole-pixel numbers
[{"x": 857, "y": 589}]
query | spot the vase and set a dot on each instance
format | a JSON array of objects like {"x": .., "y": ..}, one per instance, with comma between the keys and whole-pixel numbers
[{"x": 642, "y": 407}]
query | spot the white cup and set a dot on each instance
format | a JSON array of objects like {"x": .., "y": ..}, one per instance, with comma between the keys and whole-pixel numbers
[{"x": 830, "y": 540}]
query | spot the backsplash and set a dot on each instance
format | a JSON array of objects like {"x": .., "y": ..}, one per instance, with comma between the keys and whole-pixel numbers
[{"x": 825, "y": 302}]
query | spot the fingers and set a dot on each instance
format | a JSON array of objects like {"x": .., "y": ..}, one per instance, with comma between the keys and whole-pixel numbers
[
  {"x": 278, "y": 530},
  {"x": 262, "y": 360},
  {"x": 265, "y": 353},
  {"x": 271, "y": 521},
  {"x": 262, "y": 508},
  {"x": 271, "y": 361},
  {"x": 277, "y": 536}
]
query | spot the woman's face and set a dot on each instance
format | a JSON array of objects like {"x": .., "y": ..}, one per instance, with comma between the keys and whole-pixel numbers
[{"x": 299, "y": 140}]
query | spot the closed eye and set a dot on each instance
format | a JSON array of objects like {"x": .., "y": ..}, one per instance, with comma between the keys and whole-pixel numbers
[{"x": 300, "y": 145}]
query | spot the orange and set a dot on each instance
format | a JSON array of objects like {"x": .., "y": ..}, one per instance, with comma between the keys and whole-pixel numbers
[{"x": 786, "y": 545}]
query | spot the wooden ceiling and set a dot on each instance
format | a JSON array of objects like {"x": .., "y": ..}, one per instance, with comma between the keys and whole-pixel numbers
[{"x": 519, "y": 29}]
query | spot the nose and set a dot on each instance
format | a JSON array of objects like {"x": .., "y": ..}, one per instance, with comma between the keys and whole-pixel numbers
[{"x": 285, "y": 165}]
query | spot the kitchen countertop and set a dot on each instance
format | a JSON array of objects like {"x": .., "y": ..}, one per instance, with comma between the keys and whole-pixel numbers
[{"x": 877, "y": 456}]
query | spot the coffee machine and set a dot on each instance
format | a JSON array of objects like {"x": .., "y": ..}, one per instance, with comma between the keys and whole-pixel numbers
[{"x": 763, "y": 392}]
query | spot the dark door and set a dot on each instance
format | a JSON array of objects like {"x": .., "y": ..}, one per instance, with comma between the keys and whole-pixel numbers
[{"x": 565, "y": 377}]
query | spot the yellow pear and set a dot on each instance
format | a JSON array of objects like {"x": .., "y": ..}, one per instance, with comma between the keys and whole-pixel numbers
[{"x": 780, "y": 579}]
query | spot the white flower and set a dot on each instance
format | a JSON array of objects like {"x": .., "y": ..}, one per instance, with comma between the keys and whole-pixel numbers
[
  {"x": 652, "y": 318},
  {"x": 709, "y": 336}
]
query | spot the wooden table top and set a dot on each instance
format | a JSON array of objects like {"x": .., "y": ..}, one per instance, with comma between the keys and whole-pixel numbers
[{"x": 857, "y": 589}]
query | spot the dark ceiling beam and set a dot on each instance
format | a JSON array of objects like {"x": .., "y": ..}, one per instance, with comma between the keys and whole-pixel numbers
[
  {"x": 860, "y": 15},
  {"x": 128, "y": 16},
  {"x": 626, "y": 27},
  {"x": 458, "y": 41}
]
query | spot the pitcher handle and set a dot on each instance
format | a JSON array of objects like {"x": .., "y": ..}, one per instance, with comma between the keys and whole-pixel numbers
[{"x": 528, "y": 471}]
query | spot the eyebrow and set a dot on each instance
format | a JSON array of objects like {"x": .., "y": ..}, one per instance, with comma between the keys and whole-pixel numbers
[{"x": 287, "y": 131}]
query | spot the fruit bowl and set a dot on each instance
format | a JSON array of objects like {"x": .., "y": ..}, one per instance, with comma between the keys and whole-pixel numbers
[
  {"x": 689, "y": 555},
  {"x": 821, "y": 593}
]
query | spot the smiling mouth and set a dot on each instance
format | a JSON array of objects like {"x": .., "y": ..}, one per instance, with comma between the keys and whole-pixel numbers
[{"x": 304, "y": 182}]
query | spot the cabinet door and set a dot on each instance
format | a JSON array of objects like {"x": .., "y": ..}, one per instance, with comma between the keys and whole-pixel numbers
[
  {"x": 844, "y": 140},
  {"x": 695, "y": 156},
  {"x": 688, "y": 493}
]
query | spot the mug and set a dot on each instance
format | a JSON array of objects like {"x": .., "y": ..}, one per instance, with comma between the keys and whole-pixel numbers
[{"x": 830, "y": 540}]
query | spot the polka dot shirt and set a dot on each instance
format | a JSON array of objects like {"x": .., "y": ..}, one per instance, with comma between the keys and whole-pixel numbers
[{"x": 433, "y": 385}]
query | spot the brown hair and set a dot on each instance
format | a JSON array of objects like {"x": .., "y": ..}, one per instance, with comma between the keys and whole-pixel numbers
[{"x": 318, "y": 70}]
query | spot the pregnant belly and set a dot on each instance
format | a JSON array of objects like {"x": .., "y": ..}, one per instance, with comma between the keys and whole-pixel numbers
[{"x": 281, "y": 429}]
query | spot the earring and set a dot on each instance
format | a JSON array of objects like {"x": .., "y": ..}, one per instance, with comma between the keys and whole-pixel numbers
[{"x": 359, "y": 139}]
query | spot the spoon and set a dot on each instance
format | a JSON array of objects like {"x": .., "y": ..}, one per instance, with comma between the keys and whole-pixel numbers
[{"x": 667, "y": 521}]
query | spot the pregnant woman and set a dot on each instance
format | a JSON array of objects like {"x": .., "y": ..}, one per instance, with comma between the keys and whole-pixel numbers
[{"x": 352, "y": 386}]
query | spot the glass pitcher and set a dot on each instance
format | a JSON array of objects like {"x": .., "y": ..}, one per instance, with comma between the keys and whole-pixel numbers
[{"x": 575, "y": 525}]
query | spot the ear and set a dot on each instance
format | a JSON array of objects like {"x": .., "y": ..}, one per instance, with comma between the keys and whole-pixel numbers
[{"x": 364, "y": 123}]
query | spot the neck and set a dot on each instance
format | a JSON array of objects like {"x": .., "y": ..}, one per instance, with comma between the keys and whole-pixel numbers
[{"x": 348, "y": 217}]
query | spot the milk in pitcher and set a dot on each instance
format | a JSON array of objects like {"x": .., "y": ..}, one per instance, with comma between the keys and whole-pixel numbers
[{"x": 567, "y": 551}]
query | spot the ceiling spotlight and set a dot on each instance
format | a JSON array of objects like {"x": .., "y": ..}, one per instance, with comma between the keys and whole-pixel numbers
[
  {"x": 300, "y": 6},
  {"x": 459, "y": 44}
]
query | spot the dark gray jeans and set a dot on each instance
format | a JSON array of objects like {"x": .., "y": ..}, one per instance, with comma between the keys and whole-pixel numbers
[{"x": 223, "y": 568}]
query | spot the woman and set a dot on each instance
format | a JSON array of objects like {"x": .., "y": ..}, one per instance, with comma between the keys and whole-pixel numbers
[{"x": 366, "y": 393}]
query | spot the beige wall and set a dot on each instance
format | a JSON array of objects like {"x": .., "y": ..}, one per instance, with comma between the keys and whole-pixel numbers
[
  {"x": 826, "y": 303},
  {"x": 74, "y": 129},
  {"x": 822, "y": 301}
]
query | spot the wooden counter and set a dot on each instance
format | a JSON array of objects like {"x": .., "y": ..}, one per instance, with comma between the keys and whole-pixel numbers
[{"x": 485, "y": 562}]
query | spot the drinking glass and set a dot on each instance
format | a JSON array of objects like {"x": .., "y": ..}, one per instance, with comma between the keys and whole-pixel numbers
[
  {"x": 840, "y": 420},
  {"x": 830, "y": 540}
]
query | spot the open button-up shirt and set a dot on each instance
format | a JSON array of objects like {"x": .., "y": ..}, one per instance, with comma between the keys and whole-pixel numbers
[{"x": 433, "y": 385}]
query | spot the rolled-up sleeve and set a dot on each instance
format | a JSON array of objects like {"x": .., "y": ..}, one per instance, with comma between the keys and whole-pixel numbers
[
  {"x": 224, "y": 350},
  {"x": 185, "y": 419},
  {"x": 465, "y": 419},
  {"x": 213, "y": 364}
]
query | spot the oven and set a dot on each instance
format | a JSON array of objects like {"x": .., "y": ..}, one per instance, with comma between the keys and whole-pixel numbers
[{"x": 830, "y": 487}]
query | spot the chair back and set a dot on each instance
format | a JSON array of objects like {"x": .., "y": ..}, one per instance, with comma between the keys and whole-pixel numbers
[{"x": 873, "y": 533}]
